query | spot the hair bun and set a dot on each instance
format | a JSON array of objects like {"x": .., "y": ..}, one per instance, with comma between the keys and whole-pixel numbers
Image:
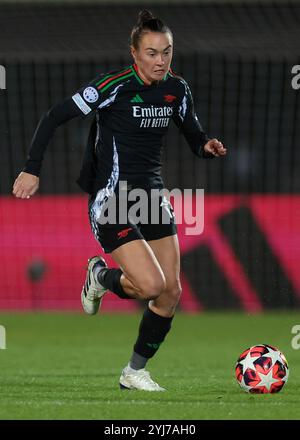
[
  {"x": 144, "y": 16},
  {"x": 146, "y": 22}
]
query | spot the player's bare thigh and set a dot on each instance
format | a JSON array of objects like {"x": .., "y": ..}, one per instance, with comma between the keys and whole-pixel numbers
[
  {"x": 167, "y": 253},
  {"x": 143, "y": 277}
]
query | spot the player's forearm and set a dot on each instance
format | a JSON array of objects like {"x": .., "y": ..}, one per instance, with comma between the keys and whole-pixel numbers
[
  {"x": 40, "y": 140},
  {"x": 196, "y": 140},
  {"x": 45, "y": 130}
]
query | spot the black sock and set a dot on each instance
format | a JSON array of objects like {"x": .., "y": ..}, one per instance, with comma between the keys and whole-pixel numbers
[
  {"x": 110, "y": 278},
  {"x": 152, "y": 332}
]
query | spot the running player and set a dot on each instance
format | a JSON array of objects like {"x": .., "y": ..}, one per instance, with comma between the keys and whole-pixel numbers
[{"x": 133, "y": 108}]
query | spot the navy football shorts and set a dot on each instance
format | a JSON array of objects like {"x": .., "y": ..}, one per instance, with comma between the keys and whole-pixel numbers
[{"x": 115, "y": 224}]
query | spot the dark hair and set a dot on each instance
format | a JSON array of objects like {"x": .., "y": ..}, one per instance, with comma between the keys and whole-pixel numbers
[{"x": 147, "y": 23}]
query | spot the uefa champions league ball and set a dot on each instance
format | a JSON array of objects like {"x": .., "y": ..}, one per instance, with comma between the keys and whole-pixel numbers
[{"x": 262, "y": 369}]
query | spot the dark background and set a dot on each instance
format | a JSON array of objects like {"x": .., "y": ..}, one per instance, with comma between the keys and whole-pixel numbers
[{"x": 237, "y": 59}]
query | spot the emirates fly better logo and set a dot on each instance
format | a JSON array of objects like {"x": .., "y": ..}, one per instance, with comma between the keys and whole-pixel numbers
[{"x": 153, "y": 117}]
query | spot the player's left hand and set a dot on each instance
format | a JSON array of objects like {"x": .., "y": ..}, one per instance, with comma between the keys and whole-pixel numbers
[{"x": 215, "y": 147}]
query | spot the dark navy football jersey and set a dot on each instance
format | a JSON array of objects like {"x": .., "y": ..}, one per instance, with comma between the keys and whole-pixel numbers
[{"x": 126, "y": 137}]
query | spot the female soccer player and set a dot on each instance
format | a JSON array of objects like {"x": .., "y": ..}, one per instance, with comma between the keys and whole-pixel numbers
[{"x": 133, "y": 108}]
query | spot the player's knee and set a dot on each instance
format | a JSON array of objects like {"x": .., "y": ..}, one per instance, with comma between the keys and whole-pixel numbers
[
  {"x": 174, "y": 293},
  {"x": 153, "y": 287}
]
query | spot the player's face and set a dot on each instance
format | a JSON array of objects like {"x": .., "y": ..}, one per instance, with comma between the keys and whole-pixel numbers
[{"x": 154, "y": 55}]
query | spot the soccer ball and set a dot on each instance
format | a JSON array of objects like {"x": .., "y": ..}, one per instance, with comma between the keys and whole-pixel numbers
[{"x": 262, "y": 369}]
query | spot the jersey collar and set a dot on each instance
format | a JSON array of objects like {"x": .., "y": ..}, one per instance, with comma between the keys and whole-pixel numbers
[{"x": 135, "y": 70}]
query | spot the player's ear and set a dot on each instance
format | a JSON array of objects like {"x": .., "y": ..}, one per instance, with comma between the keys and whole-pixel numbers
[{"x": 133, "y": 52}]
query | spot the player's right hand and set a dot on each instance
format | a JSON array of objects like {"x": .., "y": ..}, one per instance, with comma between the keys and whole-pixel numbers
[{"x": 25, "y": 185}]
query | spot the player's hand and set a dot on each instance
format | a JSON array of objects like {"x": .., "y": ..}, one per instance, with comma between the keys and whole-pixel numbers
[
  {"x": 215, "y": 147},
  {"x": 25, "y": 185}
]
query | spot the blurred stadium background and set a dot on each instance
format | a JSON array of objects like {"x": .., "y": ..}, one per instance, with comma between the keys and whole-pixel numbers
[{"x": 237, "y": 57}]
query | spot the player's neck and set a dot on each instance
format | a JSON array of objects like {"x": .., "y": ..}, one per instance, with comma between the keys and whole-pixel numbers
[{"x": 146, "y": 81}]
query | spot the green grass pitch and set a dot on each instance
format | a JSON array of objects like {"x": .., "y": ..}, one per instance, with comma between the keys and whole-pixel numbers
[{"x": 67, "y": 366}]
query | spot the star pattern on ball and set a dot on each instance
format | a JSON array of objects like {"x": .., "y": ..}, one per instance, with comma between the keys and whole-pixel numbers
[
  {"x": 248, "y": 362},
  {"x": 266, "y": 371},
  {"x": 267, "y": 380},
  {"x": 274, "y": 355}
]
